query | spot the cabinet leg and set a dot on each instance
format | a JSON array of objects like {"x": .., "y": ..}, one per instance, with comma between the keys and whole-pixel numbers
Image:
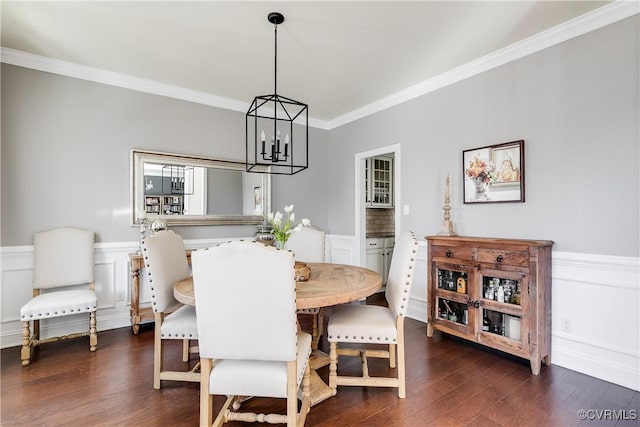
[
  {"x": 546, "y": 360},
  {"x": 429, "y": 329},
  {"x": 535, "y": 365}
]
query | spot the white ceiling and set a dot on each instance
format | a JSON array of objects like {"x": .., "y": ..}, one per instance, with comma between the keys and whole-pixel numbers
[{"x": 335, "y": 56}]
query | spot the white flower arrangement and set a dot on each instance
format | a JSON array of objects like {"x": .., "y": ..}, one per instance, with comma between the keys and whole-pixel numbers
[{"x": 282, "y": 227}]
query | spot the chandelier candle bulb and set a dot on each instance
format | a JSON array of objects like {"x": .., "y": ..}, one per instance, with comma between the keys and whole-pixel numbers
[{"x": 286, "y": 146}]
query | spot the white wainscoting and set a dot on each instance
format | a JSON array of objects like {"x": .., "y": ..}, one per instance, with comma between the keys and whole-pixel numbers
[
  {"x": 595, "y": 316},
  {"x": 418, "y": 303},
  {"x": 340, "y": 249},
  {"x": 595, "y": 302}
]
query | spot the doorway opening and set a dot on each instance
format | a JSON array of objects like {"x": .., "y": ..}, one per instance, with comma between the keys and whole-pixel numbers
[{"x": 368, "y": 196}]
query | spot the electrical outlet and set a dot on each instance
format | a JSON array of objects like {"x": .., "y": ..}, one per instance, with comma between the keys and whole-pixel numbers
[
  {"x": 406, "y": 209},
  {"x": 565, "y": 324},
  {"x": 120, "y": 296}
]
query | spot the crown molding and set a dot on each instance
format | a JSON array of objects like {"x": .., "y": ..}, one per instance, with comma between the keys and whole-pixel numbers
[
  {"x": 598, "y": 18},
  {"x": 83, "y": 72},
  {"x": 97, "y": 75},
  {"x": 608, "y": 14}
]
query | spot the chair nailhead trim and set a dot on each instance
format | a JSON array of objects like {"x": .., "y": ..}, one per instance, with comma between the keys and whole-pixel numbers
[{"x": 180, "y": 336}]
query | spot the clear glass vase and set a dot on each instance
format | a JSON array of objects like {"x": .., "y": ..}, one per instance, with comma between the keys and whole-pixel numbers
[{"x": 281, "y": 244}]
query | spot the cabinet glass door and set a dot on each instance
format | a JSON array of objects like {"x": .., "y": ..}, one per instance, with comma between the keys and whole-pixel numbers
[
  {"x": 504, "y": 294},
  {"x": 381, "y": 181},
  {"x": 502, "y": 324},
  {"x": 453, "y": 311},
  {"x": 452, "y": 297}
]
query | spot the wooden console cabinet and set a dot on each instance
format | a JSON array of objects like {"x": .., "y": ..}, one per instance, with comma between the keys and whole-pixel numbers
[{"x": 496, "y": 292}]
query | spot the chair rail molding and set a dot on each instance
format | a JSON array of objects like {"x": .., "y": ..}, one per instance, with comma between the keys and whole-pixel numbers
[{"x": 595, "y": 302}]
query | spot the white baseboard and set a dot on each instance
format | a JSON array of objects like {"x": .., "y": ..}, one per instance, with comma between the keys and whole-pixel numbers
[{"x": 615, "y": 365}]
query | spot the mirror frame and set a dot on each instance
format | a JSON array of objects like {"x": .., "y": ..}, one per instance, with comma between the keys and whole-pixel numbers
[{"x": 139, "y": 157}]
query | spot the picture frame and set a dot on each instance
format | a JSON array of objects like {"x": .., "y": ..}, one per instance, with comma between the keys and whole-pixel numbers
[{"x": 494, "y": 173}]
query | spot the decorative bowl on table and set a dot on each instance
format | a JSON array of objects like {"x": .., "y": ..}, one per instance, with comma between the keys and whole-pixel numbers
[{"x": 302, "y": 271}]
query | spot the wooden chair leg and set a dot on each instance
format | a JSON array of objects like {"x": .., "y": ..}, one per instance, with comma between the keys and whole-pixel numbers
[
  {"x": 401, "y": 367},
  {"x": 292, "y": 395},
  {"x": 392, "y": 355},
  {"x": 25, "y": 353},
  {"x": 36, "y": 330},
  {"x": 157, "y": 352},
  {"x": 93, "y": 335},
  {"x": 185, "y": 350},
  {"x": 333, "y": 367},
  {"x": 206, "y": 400}
]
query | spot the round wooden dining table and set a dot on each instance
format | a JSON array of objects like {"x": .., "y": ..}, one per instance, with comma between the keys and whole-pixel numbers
[{"x": 327, "y": 285}]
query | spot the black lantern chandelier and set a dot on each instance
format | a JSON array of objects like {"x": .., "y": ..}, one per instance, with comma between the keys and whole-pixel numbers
[{"x": 268, "y": 119}]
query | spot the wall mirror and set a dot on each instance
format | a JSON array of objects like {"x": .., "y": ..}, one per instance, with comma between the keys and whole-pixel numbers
[{"x": 190, "y": 190}]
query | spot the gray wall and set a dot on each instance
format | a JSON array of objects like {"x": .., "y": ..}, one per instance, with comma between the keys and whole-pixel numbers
[
  {"x": 576, "y": 107},
  {"x": 66, "y": 151}
]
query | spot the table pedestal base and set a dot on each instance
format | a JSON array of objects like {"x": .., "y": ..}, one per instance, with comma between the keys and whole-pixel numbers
[
  {"x": 320, "y": 391},
  {"x": 318, "y": 359}
]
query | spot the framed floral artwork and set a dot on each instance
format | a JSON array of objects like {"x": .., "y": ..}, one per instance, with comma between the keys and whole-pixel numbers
[{"x": 494, "y": 173}]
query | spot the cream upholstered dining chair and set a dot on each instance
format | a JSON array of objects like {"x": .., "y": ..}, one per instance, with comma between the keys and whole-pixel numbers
[
  {"x": 308, "y": 245},
  {"x": 165, "y": 261},
  {"x": 371, "y": 324},
  {"x": 249, "y": 347},
  {"x": 63, "y": 285}
]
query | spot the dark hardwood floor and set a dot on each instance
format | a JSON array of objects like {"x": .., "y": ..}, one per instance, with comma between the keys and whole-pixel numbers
[{"x": 450, "y": 382}]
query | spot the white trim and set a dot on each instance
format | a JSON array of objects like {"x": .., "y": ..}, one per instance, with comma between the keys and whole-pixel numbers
[
  {"x": 591, "y": 21},
  {"x": 360, "y": 216},
  {"x": 83, "y": 72},
  {"x": 97, "y": 75},
  {"x": 600, "y": 362}
]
